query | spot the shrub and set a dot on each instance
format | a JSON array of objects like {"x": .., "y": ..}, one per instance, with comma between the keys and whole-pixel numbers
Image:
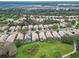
[
  {"x": 67, "y": 39},
  {"x": 18, "y": 42}
]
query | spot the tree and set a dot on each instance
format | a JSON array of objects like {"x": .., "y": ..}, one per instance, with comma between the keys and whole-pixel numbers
[
  {"x": 73, "y": 22},
  {"x": 69, "y": 24},
  {"x": 55, "y": 26},
  {"x": 68, "y": 39},
  {"x": 18, "y": 42},
  {"x": 56, "y": 21},
  {"x": 7, "y": 50},
  {"x": 77, "y": 26}
]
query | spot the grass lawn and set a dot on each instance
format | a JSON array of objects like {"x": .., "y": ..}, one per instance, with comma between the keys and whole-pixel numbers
[
  {"x": 75, "y": 55},
  {"x": 43, "y": 49}
]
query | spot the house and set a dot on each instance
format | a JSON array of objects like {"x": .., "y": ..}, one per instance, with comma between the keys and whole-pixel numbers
[
  {"x": 37, "y": 19},
  {"x": 42, "y": 36},
  {"x": 46, "y": 26},
  {"x": 48, "y": 34},
  {"x": 57, "y": 18},
  {"x": 34, "y": 36},
  {"x": 9, "y": 19},
  {"x": 0, "y": 27},
  {"x": 63, "y": 24},
  {"x": 50, "y": 25},
  {"x": 72, "y": 17},
  {"x": 20, "y": 36},
  {"x": 0, "y": 34},
  {"x": 3, "y": 38},
  {"x": 11, "y": 38},
  {"x": 30, "y": 27},
  {"x": 62, "y": 20},
  {"x": 22, "y": 19},
  {"x": 55, "y": 34},
  {"x": 4, "y": 27},
  {"x": 24, "y": 27},
  {"x": 68, "y": 32},
  {"x": 17, "y": 27},
  {"x": 12, "y": 28},
  {"x": 74, "y": 32},
  {"x": 41, "y": 19},
  {"x": 27, "y": 38},
  {"x": 61, "y": 33},
  {"x": 35, "y": 26},
  {"x": 77, "y": 30},
  {"x": 40, "y": 26}
]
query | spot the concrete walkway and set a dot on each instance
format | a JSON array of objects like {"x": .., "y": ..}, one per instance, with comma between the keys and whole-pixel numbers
[{"x": 74, "y": 51}]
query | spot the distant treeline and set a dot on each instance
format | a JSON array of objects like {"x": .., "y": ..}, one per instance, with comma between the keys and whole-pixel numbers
[{"x": 40, "y": 11}]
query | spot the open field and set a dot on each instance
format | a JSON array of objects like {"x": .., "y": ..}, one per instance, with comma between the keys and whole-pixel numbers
[{"x": 47, "y": 49}]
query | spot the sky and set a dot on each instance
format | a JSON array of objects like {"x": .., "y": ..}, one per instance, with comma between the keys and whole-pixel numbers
[{"x": 39, "y": 0}]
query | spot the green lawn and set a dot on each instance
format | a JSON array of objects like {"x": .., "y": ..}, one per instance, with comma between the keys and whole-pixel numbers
[
  {"x": 44, "y": 49},
  {"x": 75, "y": 55}
]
